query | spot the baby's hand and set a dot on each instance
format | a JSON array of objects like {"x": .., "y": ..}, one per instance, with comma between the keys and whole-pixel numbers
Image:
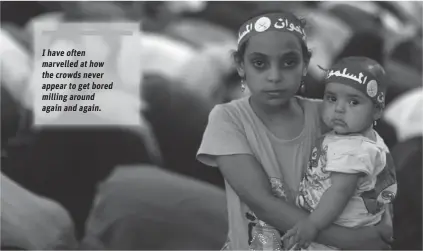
[{"x": 303, "y": 233}]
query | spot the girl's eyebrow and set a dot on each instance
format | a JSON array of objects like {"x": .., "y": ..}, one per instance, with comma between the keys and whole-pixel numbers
[
  {"x": 283, "y": 54},
  {"x": 257, "y": 54},
  {"x": 291, "y": 53}
]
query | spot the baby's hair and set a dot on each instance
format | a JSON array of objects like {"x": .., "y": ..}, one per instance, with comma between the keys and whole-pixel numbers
[{"x": 373, "y": 67}]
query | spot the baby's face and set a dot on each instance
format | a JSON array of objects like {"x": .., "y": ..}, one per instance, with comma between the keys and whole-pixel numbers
[{"x": 347, "y": 110}]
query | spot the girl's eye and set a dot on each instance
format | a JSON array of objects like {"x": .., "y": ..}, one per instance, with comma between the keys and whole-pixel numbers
[
  {"x": 258, "y": 63},
  {"x": 353, "y": 102},
  {"x": 290, "y": 63}
]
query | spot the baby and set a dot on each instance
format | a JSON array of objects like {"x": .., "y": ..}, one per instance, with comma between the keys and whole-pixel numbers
[{"x": 350, "y": 178}]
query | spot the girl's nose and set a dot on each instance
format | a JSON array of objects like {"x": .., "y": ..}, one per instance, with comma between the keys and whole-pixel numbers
[{"x": 275, "y": 75}]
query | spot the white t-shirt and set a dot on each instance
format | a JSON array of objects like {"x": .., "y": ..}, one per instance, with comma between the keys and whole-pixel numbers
[{"x": 351, "y": 155}]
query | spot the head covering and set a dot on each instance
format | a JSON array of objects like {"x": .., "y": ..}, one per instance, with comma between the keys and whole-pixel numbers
[
  {"x": 361, "y": 73},
  {"x": 281, "y": 21}
]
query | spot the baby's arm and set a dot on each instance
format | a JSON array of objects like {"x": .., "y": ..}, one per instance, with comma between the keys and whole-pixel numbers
[
  {"x": 334, "y": 199},
  {"x": 331, "y": 205}
]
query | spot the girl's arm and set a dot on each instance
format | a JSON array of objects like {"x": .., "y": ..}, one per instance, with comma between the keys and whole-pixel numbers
[{"x": 248, "y": 179}]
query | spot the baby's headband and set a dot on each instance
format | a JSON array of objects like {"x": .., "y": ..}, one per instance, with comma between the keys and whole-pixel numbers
[
  {"x": 285, "y": 22},
  {"x": 358, "y": 74}
]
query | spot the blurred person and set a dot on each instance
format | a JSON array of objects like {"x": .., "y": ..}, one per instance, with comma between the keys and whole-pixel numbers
[
  {"x": 178, "y": 114},
  {"x": 350, "y": 178},
  {"x": 248, "y": 138},
  {"x": 16, "y": 61},
  {"x": 358, "y": 17},
  {"x": 408, "y": 206},
  {"x": 147, "y": 208},
  {"x": 402, "y": 77},
  {"x": 29, "y": 221},
  {"x": 405, "y": 114},
  {"x": 58, "y": 158},
  {"x": 328, "y": 36},
  {"x": 365, "y": 44},
  {"x": 162, "y": 51},
  {"x": 384, "y": 18},
  {"x": 66, "y": 164},
  {"x": 9, "y": 10},
  {"x": 16, "y": 68},
  {"x": 410, "y": 53}
]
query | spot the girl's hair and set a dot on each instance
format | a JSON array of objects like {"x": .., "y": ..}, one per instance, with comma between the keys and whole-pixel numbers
[{"x": 238, "y": 54}]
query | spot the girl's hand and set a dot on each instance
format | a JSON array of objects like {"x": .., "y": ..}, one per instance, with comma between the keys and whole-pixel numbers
[
  {"x": 385, "y": 227},
  {"x": 303, "y": 233},
  {"x": 379, "y": 237}
]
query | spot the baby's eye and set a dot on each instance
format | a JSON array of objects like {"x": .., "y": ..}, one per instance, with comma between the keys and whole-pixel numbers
[
  {"x": 354, "y": 102},
  {"x": 330, "y": 98}
]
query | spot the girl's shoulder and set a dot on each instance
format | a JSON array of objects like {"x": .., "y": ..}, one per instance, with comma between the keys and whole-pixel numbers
[
  {"x": 235, "y": 109},
  {"x": 309, "y": 102},
  {"x": 312, "y": 108}
]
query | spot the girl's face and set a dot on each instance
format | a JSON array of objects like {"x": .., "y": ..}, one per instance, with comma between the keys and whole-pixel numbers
[
  {"x": 273, "y": 67},
  {"x": 347, "y": 110}
]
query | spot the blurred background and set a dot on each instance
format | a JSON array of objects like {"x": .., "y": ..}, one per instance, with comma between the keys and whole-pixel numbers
[{"x": 66, "y": 188}]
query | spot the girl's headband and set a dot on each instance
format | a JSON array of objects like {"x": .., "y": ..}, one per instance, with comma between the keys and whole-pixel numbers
[{"x": 284, "y": 22}]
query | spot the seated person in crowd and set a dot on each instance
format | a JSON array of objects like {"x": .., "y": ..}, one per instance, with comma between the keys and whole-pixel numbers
[{"x": 29, "y": 221}]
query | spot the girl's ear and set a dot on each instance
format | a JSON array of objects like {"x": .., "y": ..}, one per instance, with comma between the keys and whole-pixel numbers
[
  {"x": 305, "y": 71},
  {"x": 240, "y": 69}
]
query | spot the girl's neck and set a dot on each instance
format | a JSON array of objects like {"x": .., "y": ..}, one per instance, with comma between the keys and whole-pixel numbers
[{"x": 285, "y": 109}]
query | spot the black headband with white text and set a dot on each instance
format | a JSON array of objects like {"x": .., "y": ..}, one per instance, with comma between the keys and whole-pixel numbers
[
  {"x": 284, "y": 22},
  {"x": 360, "y": 78}
]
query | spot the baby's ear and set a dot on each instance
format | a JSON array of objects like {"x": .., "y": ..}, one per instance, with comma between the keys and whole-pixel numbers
[{"x": 378, "y": 112}]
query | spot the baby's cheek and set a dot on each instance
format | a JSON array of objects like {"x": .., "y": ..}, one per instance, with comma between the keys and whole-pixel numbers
[{"x": 326, "y": 117}]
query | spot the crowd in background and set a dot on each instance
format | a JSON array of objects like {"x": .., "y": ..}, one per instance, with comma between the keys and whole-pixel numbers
[{"x": 61, "y": 188}]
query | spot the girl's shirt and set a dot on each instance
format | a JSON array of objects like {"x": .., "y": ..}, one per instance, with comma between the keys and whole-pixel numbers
[{"x": 234, "y": 128}]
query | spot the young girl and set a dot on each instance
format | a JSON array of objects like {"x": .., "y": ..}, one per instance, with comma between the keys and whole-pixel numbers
[
  {"x": 261, "y": 143},
  {"x": 350, "y": 166}
]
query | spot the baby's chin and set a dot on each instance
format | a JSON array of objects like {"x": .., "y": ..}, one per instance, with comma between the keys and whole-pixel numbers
[{"x": 341, "y": 130}]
